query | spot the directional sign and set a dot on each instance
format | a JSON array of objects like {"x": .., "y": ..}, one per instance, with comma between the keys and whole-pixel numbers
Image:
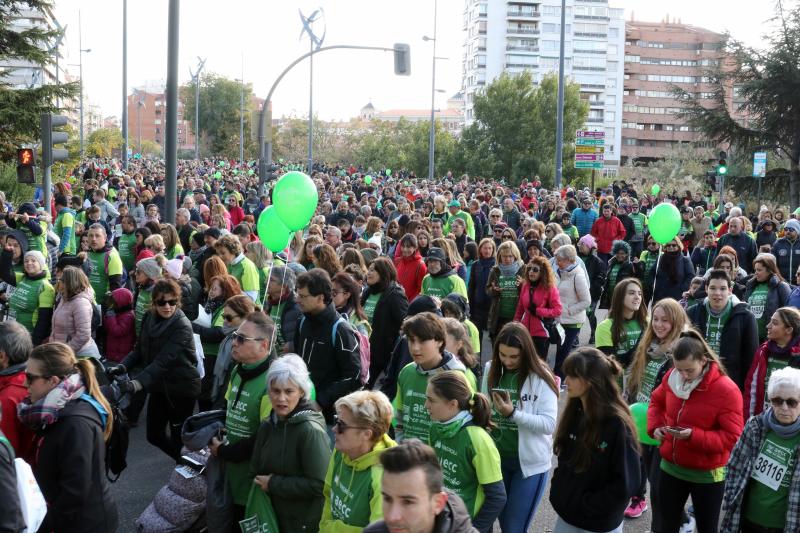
[
  {"x": 580, "y": 149},
  {"x": 594, "y": 165},
  {"x": 590, "y": 149},
  {"x": 585, "y": 133},
  {"x": 589, "y": 157},
  {"x": 583, "y": 141},
  {"x": 759, "y": 164}
]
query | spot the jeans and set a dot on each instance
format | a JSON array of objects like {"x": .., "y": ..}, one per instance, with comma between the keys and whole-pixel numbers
[
  {"x": 562, "y": 527},
  {"x": 165, "y": 413},
  {"x": 566, "y": 346},
  {"x": 706, "y": 499},
  {"x": 523, "y": 496}
]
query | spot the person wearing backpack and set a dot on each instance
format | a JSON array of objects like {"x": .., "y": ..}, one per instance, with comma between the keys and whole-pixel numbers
[
  {"x": 72, "y": 420},
  {"x": 385, "y": 304},
  {"x": 103, "y": 262},
  {"x": 326, "y": 341}
]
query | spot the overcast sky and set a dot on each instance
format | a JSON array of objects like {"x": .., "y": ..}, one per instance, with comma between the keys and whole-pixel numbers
[{"x": 267, "y": 34}]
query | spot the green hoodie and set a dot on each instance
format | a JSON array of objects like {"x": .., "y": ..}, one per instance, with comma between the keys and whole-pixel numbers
[{"x": 353, "y": 490}]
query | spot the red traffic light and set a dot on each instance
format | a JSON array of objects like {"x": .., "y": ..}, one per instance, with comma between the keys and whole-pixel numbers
[{"x": 26, "y": 157}]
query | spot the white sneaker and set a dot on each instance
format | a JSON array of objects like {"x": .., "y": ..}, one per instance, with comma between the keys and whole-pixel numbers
[{"x": 688, "y": 527}]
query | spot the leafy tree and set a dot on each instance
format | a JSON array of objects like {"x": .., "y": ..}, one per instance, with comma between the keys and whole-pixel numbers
[
  {"x": 220, "y": 109},
  {"x": 20, "y": 108},
  {"x": 101, "y": 142},
  {"x": 767, "y": 82}
]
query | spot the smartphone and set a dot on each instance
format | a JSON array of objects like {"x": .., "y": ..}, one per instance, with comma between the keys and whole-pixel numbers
[
  {"x": 675, "y": 429},
  {"x": 503, "y": 394}
]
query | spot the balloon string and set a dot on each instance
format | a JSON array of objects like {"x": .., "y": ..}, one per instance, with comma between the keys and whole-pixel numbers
[
  {"x": 283, "y": 280},
  {"x": 655, "y": 279}
]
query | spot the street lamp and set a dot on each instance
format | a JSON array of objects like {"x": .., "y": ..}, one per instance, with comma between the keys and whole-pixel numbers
[
  {"x": 196, "y": 79},
  {"x": 80, "y": 72},
  {"x": 432, "y": 134}
]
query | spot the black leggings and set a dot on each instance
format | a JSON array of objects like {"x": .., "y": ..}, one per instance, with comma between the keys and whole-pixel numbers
[
  {"x": 167, "y": 414},
  {"x": 542, "y": 345},
  {"x": 672, "y": 496}
]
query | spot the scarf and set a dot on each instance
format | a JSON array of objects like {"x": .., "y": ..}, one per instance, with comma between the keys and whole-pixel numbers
[
  {"x": 782, "y": 353},
  {"x": 782, "y": 430},
  {"x": 448, "y": 428},
  {"x": 510, "y": 270},
  {"x": 44, "y": 412},
  {"x": 682, "y": 388}
]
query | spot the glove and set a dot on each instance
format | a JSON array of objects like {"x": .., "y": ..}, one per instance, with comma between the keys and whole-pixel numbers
[
  {"x": 116, "y": 370},
  {"x": 132, "y": 386}
]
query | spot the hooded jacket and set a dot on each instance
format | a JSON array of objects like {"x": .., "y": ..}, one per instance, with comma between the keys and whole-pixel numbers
[
  {"x": 739, "y": 337},
  {"x": 755, "y": 382},
  {"x": 410, "y": 273},
  {"x": 120, "y": 326},
  {"x": 353, "y": 490},
  {"x": 454, "y": 518},
  {"x": 72, "y": 323},
  {"x": 777, "y": 295},
  {"x": 626, "y": 270},
  {"x": 573, "y": 291},
  {"x": 12, "y": 392},
  {"x": 606, "y": 231},
  {"x": 712, "y": 411},
  {"x": 665, "y": 287},
  {"x": 296, "y": 452},
  {"x": 9, "y": 271},
  {"x": 389, "y": 313},
  {"x": 787, "y": 255},
  {"x": 547, "y": 305}
]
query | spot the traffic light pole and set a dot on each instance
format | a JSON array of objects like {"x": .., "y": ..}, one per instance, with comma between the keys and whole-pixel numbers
[
  {"x": 171, "y": 138},
  {"x": 265, "y": 117}
]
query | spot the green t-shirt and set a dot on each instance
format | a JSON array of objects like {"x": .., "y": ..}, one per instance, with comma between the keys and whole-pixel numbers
[
  {"x": 99, "y": 273},
  {"x": 369, "y": 305},
  {"x": 506, "y": 434},
  {"x": 35, "y": 242},
  {"x": 767, "y": 496},
  {"x": 648, "y": 382},
  {"x": 715, "y": 325},
  {"x": 469, "y": 459},
  {"x": 612, "y": 278},
  {"x": 509, "y": 294},
  {"x": 29, "y": 296},
  {"x": 444, "y": 285},
  {"x": 352, "y": 493},
  {"x": 650, "y": 260},
  {"x": 276, "y": 314},
  {"x": 142, "y": 307},
  {"x": 246, "y": 272},
  {"x": 631, "y": 331},
  {"x": 126, "y": 244},
  {"x": 211, "y": 349},
  {"x": 246, "y": 410},
  {"x": 175, "y": 251},
  {"x": 66, "y": 219},
  {"x": 692, "y": 475},
  {"x": 757, "y": 301},
  {"x": 639, "y": 222}
]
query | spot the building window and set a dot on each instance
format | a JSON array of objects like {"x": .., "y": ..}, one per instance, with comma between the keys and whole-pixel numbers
[
  {"x": 613, "y": 33},
  {"x": 158, "y": 121}
]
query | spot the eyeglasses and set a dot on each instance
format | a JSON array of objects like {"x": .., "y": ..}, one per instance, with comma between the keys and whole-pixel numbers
[
  {"x": 340, "y": 426},
  {"x": 508, "y": 238},
  {"x": 335, "y": 292},
  {"x": 162, "y": 303},
  {"x": 230, "y": 318},
  {"x": 791, "y": 403},
  {"x": 239, "y": 338},
  {"x": 33, "y": 377}
]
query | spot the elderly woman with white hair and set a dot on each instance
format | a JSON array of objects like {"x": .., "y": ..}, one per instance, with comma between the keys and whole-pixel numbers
[
  {"x": 762, "y": 485},
  {"x": 292, "y": 448},
  {"x": 353, "y": 482}
]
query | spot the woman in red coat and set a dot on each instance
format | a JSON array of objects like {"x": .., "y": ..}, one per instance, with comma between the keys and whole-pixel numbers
[
  {"x": 538, "y": 300},
  {"x": 607, "y": 229},
  {"x": 696, "y": 414},
  {"x": 236, "y": 212},
  {"x": 410, "y": 266}
]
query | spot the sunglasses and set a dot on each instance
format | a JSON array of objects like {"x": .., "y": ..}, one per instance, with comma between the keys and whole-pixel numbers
[
  {"x": 33, "y": 377},
  {"x": 340, "y": 426},
  {"x": 791, "y": 403},
  {"x": 171, "y": 303},
  {"x": 535, "y": 269},
  {"x": 241, "y": 339},
  {"x": 652, "y": 244}
]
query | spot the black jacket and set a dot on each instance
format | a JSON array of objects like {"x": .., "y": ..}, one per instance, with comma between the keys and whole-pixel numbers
[
  {"x": 596, "y": 270},
  {"x": 739, "y": 338},
  {"x": 389, "y": 313},
  {"x": 626, "y": 270},
  {"x": 668, "y": 288},
  {"x": 289, "y": 318},
  {"x": 777, "y": 295},
  {"x": 334, "y": 366},
  {"x": 165, "y": 351},
  {"x": 454, "y": 518},
  {"x": 745, "y": 247},
  {"x": 11, "y": 520},
  {"x": 596, "y": 499},
  {"x": 70, "y": 470}
]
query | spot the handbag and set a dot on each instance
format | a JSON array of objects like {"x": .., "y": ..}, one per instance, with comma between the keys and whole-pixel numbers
[{"x": 259, "y": 514}]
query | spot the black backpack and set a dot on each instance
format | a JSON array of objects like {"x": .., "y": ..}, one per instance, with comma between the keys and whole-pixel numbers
[{"x": 117, "y": 444}]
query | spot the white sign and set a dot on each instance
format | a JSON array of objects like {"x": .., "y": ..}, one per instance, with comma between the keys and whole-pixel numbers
[{"x": 759, "y": 164}]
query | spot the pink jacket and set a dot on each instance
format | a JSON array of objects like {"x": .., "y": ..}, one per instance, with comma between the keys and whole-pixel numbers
[
  {"x": 548, "y": 305},
  {"x": 72, "y": 322},
  {"x": 120, "y": 326}
]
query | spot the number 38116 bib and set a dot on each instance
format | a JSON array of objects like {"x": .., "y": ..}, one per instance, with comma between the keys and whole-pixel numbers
[{"x": 772, "y": 464}]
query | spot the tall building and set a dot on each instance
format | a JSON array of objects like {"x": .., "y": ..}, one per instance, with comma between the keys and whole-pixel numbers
[
  {"x": 517, "y": 35},
  {"x": 23, "y": 74},
  {"x": 147, "y": 117},
  {"x": 659, "y": 55}
]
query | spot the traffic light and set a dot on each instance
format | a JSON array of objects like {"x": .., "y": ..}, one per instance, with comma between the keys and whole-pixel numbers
[
  {"x": 722, "y": 166},
  {"x": 50, "y": 137},
  {"x": 402, "y": 59},
  {"x": 26, "y": 165}
]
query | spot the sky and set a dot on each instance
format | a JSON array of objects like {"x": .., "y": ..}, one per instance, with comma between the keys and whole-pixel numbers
[{"x": 264, "y": 36}]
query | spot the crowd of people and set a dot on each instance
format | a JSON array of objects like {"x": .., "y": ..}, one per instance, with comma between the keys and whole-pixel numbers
[{"x": 399, "y": 365}]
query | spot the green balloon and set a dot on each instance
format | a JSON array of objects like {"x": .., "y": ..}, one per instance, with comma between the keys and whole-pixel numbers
[
  {"x": 655, "y": 189},
  {"x": 664, "y": 222},
  {"x": 639, "y": 413},
  {"x": 250, "y": 172},
  {"x": 272, "y": 231},
  {"x": 221, "y": 164},
  {"x": 388, "y": 171},
  {"x": 367, "y": 179},
  {"x": 295, "y": 199},
  {"x": 218, "y": 174},
  {"x": 235, "y": 172}
]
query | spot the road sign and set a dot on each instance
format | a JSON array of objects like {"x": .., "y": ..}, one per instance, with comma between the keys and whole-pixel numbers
[
  {"x": 759, "y": 164},
  {"x": 593, "y": 165},
  {"x": 590, "y": 134},
  {"x": 589, "y": 157},
  {"x": 589, "y": 149},
  {"x": 583, "y": 141}
]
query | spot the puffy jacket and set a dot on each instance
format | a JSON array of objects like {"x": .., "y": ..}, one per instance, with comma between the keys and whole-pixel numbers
[
  {"x": 787, "y": 255},
  {"x": 548, "y": 305},
  {"x": 606, "y": 231},
  {"x": 389, "y": 313},
  {"x": 596, "y": 272},
  {"x": 296, "y": 451},
  {"x": 410, "y": 271},
  {"x": 713, "y": 412},
  {"x": 70, "y": 470},
  {"x": 739, "y": 337},
  {"x": 120, "y": 326},
  {"x": 584, "y": 219},
  {"x": 755, "y": 383},
  {"x": 666, "y": 287},
  {"x": 777, "y": 295},
  {"x": 12, "y": 392},
  {"x": 165, "y": 353},
  {"x": 454, "y": 518},
  {"x": 72, "y": 322},
  {"x": 573, "y": 291}
]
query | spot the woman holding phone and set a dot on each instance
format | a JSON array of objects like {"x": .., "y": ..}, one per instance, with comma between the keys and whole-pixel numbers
[{"x": 696, "y": 414}]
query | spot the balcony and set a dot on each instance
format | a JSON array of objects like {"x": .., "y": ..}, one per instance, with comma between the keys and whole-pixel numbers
[
  {"x": 525, "y": 14},
  {"x": 597, "y": 35},
  {"x": 595, "y": 103},
  {"x": 519, "y": 48},
  {"x": 522, "y": 31},
  {"x": 588, "y": 69},
  {"x": 595, "y": 120},
  {"x": 520, "y": 65},
  {"x": 592, "y": 17}
]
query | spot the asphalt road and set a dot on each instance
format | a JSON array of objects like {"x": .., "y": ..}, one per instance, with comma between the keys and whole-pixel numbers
[{"x": 149, "y": 468}]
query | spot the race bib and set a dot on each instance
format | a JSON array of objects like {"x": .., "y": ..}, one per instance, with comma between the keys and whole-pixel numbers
[{"x": 772, "y": 465}]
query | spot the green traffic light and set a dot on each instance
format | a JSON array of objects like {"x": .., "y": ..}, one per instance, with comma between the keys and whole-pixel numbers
[{"x": 722, "y": 170}]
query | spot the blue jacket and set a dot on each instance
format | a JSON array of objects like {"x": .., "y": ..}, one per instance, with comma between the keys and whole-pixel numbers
[
  {"x": 787, "y": 255},
  {"x": 583, "y": 219}
]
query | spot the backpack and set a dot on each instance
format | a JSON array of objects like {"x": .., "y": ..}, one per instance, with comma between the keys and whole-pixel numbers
[
  {"x": 117, "y": 443},
  {"x": 363, "y": 345}
]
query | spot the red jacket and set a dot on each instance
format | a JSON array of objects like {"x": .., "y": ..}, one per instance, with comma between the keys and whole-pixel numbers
[
  {"x": 548, "y": 305},
  {"x": 120, "y": 326},
  {"x": 410, "y": 271},
  {"x": 12, "y": 392},
  {"x": 237, "y": 215},
  {"x": 606, "y": 232},
  {"x": 754, "y": 384},
  {"x": 713, "y": 412}
]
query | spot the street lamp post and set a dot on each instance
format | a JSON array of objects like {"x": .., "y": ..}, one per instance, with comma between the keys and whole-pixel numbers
[
  {"x": 196, "y": 79},
  {"x": 241, "y": 117},
  {"x": 124, "y": 84},
  {"x": 432, "y": 133},
  {"x": 560, "y": 105},
  {"x": 314, "y": 42},
  {"x": 80, "y": 73}
]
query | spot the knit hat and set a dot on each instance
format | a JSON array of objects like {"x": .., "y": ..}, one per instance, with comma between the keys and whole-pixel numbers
[
  {"x": 27, "y": 208},
  {"x": 460, "y": 301},
  {"x": 175, "y": 268},
  {"x": 792, "y": 224},
  {"x": 376, "y": 240},
  {"x": 369, "y": 255},
  {"x": 39, "y": 256},
  {"x": 588, "y": 241},
  {"x": 421, "y": 304},
  {"x": 150, "y": 268},
  {"x": 213, "y": 232},
  {"x": 454, "y": 203}
]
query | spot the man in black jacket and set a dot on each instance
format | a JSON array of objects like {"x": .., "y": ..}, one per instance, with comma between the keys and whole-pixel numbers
[
  {"x": 282, "y": 308},
  {"x": 727, "y": 325},
  {"x": 326, "y": 341}
]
